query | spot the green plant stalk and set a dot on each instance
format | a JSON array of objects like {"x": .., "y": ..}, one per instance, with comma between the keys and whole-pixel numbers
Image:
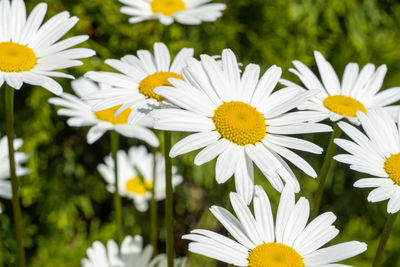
[
  {"x": 169, "y": 227},
  {"x": 326, "y": 166},
  {"x": 384, "y": 238},
  {"x": 114, "y": 140},
  {"x": 154, "y": 208},
  {"x": 9, "y": 105}
]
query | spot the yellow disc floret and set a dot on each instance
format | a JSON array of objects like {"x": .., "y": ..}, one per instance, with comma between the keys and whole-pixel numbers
[
  {"x": 392, "y": 168},
  {"x": 167, "y": 7},
  {"x": 136, "y": 186},
  {"x": 109, "y": 115},
  {"x": 240, "y": 123},
  {"x": 16, "y": 57},
  {"x": 154, "y": 80},
  {"x": 275, "y": 255},
  {"x": 344, "y": 105}
]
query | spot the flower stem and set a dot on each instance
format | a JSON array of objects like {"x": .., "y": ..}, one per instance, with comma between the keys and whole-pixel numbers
[
  {"x": 326, "y": 165},
  {"x": 114, "y": 139},
  {"x": 384, "y": 238},
  {"x": 14, "y": 180},
  {"x": 153, "y": 208},
  {"x": 168, "y": 200}
]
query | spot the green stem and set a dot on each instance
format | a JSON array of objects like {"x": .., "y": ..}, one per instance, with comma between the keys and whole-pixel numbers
[
  {"x": 330, "y": 152},
  {"x": 153, "y": 208},
  {"x": 169, "y": 227},
  {"x": 14, "y": 180},
  {"x": 384, "y": 238},
  {"x": 114, "y": 139}
]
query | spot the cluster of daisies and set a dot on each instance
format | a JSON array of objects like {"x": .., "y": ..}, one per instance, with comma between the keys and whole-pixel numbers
[{"x": 234, "y": 114}]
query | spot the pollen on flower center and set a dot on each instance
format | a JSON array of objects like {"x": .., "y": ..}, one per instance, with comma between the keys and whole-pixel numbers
[
  {"x": 155, "y": 80},
  {"x": 274, "y": 255},
  {"x": 136, "y": 186},
  {"x": 240, "y": 123},
  {"x": 109, "y": 115},
  {"x": 344, "y": 105},
  {"x": 392, "y": 168},
  {"x": 167, "y": 7},
  {"x": 16, "y": 57}
]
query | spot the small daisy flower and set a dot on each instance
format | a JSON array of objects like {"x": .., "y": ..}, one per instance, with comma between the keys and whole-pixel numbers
[
  {"x": 377, "y": 153},
  {"x": 140, "y": 75},
  {"x": 260, "y": 242},
  {"x": 189, "y": 12},
  {"x": 30, "y": 53},
  {"x": 357, "y": 92},
  {"x": 238, "y": 119},
  {"x": 135, "y": 176},
  {"x": 81, "y": 114}
]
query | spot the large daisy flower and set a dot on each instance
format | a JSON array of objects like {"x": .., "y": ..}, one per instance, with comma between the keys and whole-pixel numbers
[
  {"x": 260, "y": 242},
  {"x": 166, "y": 11},
  {"x": 377, "y": 153},
  {"x": 131, "y": 254},
  {"x": 30, "y": 53},
  {"x": 358, "y": 90},
  {"x": 135, "y": 175},
  {"x": 238, "y": 118},
  {"x": 80, "y": 112},
  {"x": 140, "y": 75}
]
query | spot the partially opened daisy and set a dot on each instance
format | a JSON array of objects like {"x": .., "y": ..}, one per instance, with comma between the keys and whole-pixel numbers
[
  {"x": 260, "y": 241},
  {"x": 167, "y": 11},
  {"x": 30, "y": 52},
  {"x": 377, "y": 153},
  {"x": 140, "y": 75},
  {"x": 80, "y": 112},
  {"x": 238, "y": 119},
  {"x": 358, "y": 90},
  {"x": 135, "y": 176}
]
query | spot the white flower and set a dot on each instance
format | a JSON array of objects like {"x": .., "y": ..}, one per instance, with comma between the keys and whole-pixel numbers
[
  {"x": 166, "y": 11},
  {"x": 357, "y": 92},
  {"x": 81, "y": 114},
  {"x": 30, "y": 53},
  {"x": 377, "y": 153},
  {"x": 135, "y": 175},
  {"x": 260, "y": 242},
  {"x": 132, "y": 255},
  {"x": 140, "y": 75},
  {"x": 238, "y": 119}
]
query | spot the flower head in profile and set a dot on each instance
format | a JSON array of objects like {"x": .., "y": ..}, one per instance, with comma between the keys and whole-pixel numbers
[
  {"x": 80, "y": 112},
  {"x": 358, "y": 90},
  {"x": 375, "y": 152},
  {"x": 189, "y": 12},
  {"x": 261, "y": 241},
  {"x": 133, "y": 87},
  {"x": 238, "y": 119},
  {"x": 30, "y": 52},
  {"x": 132, "y": 254},
  {"x": 135, "y": 175}
]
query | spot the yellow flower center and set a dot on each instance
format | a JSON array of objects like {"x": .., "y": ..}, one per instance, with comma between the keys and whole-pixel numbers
[
  {"x": 16, "y": 58},
  {"x": 240, "y": 123},
  {"x": 155, "y": 80},
  {"x": 109, "y": 115},
  {"x": 392, "y": 167},
  {"x": 167, "y": 7},
  {"x": 136, "y": 186},
  {"x": 274, "y": 255},
  {"x": 344, "y": 105}
]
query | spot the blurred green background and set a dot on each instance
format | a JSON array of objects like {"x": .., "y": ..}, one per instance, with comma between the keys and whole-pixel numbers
[{"x": 65, "y": 204}]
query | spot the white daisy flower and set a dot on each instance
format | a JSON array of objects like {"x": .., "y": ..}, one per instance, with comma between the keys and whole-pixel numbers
[
  {"x": 132, "y": 255},
  {"x": 30, "y": 53},
  {"x": 135, "y": 176},
  {"x": 260, "y": 242},
  {"x": 238, "y": 118},
  {"x": 189, "y": 12},
  {"x": 140, "y": 75},
  {"x": 81, "y": 114},
  {"x": 357, "y": 92},
  {"x": 377, "y": 153}
]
